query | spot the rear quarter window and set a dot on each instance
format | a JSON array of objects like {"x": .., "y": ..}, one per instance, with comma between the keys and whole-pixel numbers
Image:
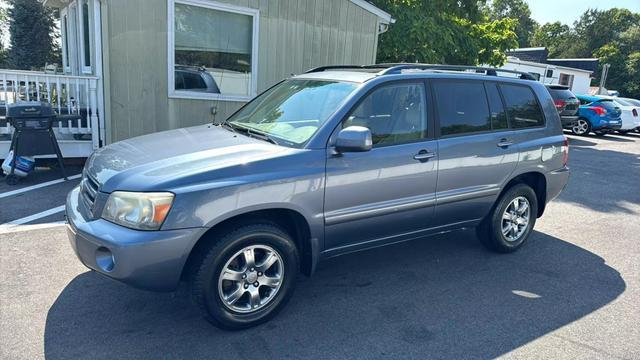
[
  {"x": 562, "y": 94},
  {"x": 523, "y": 109}
]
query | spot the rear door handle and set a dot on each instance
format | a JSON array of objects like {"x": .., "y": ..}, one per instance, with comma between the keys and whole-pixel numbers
[
  {"x": 424, "y": 155},
  {"x": 503, "y": 143}
]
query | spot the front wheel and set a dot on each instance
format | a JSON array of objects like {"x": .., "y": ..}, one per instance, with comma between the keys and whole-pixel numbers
[
  {"x": 245, "y": 277},
  {"x": 581, "y": 127},
  {"x": 511, "y": 221}
]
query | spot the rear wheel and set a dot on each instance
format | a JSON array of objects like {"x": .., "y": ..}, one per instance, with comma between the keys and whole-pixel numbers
[
  {"x": 246, "y": 277},
  {"x": 581, "y": 127},
  {"x": 510, "y": 223}
]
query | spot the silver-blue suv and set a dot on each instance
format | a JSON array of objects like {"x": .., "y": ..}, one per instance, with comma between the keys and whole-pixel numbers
[{"x": 337, "y": 160}]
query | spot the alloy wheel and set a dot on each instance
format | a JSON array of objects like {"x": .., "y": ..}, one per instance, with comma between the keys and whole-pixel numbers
[
  {"x": 251, "y": 278},
  {"x": 580, "y": 127},
  {"x": 515, "y": 218}
]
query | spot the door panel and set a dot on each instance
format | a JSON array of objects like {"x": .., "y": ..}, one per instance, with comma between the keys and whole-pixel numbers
[
  {"x": 477, "y": 152},
  {"x": 388, "y": 192}
]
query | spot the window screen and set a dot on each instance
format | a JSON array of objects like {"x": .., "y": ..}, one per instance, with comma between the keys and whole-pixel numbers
[
  {"x": 462, "y": 107},
  {"x": 394, "y": 113},
  {"x": 522, "y": 107}
]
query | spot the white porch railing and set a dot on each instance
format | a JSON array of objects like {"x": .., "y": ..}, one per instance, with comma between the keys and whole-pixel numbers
[{"x": 68, "y": 94}]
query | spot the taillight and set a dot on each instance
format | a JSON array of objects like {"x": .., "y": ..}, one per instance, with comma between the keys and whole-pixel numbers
[
  {"x": 635, "y": 112},
  {"x": 565, "y": 151},
  {"x": 559, "y": 104},
  {"x": 598, "y": 110}
]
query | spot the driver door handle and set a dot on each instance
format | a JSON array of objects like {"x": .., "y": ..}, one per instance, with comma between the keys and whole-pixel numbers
[
  {"x": 424, "y": 155},
  {"x": 503, "y": 143}
]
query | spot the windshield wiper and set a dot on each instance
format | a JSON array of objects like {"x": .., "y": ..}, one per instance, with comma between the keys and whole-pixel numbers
[
  {"x": 249, "y": 132},
  {"x": 261, "y": 136}
]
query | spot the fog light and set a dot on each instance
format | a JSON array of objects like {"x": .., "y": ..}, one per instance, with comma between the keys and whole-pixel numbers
[{"x": 104, "y": 259}]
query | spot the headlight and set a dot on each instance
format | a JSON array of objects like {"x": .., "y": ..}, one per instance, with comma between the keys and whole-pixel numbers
[{"x": 142, "y": 211}]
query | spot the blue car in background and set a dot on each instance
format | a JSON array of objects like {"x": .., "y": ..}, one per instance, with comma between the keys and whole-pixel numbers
[{"x": 598, "y": 115}]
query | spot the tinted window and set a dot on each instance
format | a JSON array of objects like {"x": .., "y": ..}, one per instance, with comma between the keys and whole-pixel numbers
[
  {"x": 498, "y": 115},
  {"x": 394, "y": 114},
  {"x": 462, "y": 107},
  {"x": 522, "y": 107},
  {"x": 193, "y": 81},
  {"x": 560, "y": 93}
]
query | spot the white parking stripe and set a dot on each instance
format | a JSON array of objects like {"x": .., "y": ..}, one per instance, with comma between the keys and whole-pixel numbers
[
  {"x": 20, "y": 228},
  {"x": 30, "y": 218},
  {"x": 37, "y": 186}
]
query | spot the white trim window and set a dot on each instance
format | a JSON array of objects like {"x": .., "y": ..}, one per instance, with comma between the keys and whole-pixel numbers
[
  {"x": 213, "y": 50},
  {"x": 64, "y": 31},
  {"x": 86, "y": 40}
]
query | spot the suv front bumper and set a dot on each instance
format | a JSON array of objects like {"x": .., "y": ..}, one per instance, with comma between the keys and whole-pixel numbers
[{"x": 151, "y": 260}]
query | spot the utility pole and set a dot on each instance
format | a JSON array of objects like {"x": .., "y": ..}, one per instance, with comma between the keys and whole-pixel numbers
[{"x": 603, "y": 77}]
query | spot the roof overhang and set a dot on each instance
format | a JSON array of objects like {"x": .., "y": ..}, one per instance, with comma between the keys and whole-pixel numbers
[{"x": 384, "y": 16}]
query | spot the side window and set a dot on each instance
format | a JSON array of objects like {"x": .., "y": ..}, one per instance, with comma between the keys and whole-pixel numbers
[
  {"x": 193, "y": 81},
  {"x": 522, "y": 107},
  {"x": 179, "y": 80},
  {"x": 462, "y": 107},
  {"x": 395, "y": 114},
  {"x": 498, "y": 115}
]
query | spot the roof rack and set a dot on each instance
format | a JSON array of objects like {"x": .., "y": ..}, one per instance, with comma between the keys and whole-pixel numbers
[{"x": 397, "y": 68}]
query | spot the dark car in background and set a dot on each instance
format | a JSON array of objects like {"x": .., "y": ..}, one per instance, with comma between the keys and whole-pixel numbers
[
  {"x": 195, "y": 79},
  {"x": 566, "y": 103}
]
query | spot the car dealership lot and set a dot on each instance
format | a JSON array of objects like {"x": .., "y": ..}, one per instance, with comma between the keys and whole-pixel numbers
[{"x": 573, "y": 291}]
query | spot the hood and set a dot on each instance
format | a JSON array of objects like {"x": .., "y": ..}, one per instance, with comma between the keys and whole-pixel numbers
[{"x": 162, "y": 160}]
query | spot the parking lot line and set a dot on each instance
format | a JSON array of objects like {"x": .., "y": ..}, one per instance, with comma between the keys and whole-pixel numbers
[
  {"x": 37, "y": 186},
  {"x": 26, "y": 219},
  {"x": 7, "y": 229}
]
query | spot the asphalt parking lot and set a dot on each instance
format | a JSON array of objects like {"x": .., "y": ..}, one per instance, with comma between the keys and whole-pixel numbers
[{"x": 572, "y": 292}]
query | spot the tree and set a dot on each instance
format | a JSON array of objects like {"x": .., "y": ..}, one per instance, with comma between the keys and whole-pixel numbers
[
  {"x": 596, "y": 28},
  {"x": 3, "y": 28},
  {"x": 31, "y": 26},
  {"x": 519, "y": 10},
  {"x": 554, "y": 36},
  {"x": 444, "y": 31}
]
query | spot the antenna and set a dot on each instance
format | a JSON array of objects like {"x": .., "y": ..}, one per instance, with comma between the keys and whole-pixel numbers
[{"x": 214, "y": 108}]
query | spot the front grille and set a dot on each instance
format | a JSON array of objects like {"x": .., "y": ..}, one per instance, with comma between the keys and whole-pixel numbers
[{"x": 89, "y": 191}]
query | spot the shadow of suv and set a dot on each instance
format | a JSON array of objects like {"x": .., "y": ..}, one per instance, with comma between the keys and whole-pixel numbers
[{"x": 336, "y": 160}]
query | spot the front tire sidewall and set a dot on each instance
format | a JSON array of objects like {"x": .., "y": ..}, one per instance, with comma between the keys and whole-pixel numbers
[
  {"x": 500, "y": 243},
  {"x": 226, "y": 318}
]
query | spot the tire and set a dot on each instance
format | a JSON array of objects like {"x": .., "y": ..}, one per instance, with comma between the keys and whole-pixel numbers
[
  {"x": 581, "y": 127},
  {"x": 214, "y": 296},
  {"x": 490, "y": 231},
  {"x": 12, "y": 179}
]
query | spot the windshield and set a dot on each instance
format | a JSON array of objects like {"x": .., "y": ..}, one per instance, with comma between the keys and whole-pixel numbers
[{"x": 293, "y": 110}]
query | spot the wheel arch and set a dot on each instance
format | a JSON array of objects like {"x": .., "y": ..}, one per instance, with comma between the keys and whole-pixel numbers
[
  {"x": 537, "y": 181},
  {"x": 292, "y": 221}
]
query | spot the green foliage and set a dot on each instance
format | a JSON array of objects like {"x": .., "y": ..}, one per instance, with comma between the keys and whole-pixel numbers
[
  {"x": 518, "y": 10},
  {"x": 554, "y": 36},
  {"x": 31, "y": 26},
  {"x": 444, "y": 31}
]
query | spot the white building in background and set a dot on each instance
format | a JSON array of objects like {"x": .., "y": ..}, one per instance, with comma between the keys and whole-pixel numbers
[{"x": 577, "y": 80}]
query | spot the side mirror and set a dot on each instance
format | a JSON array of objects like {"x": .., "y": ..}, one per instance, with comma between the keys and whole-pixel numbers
[{"x": 354, "y": 139}]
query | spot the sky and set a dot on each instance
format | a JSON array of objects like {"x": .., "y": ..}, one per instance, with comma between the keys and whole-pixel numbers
[{"x": 568, "y": 11}]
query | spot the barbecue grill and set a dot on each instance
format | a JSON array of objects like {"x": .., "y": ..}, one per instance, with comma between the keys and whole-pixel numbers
[{"x": 33, "y": 135}]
